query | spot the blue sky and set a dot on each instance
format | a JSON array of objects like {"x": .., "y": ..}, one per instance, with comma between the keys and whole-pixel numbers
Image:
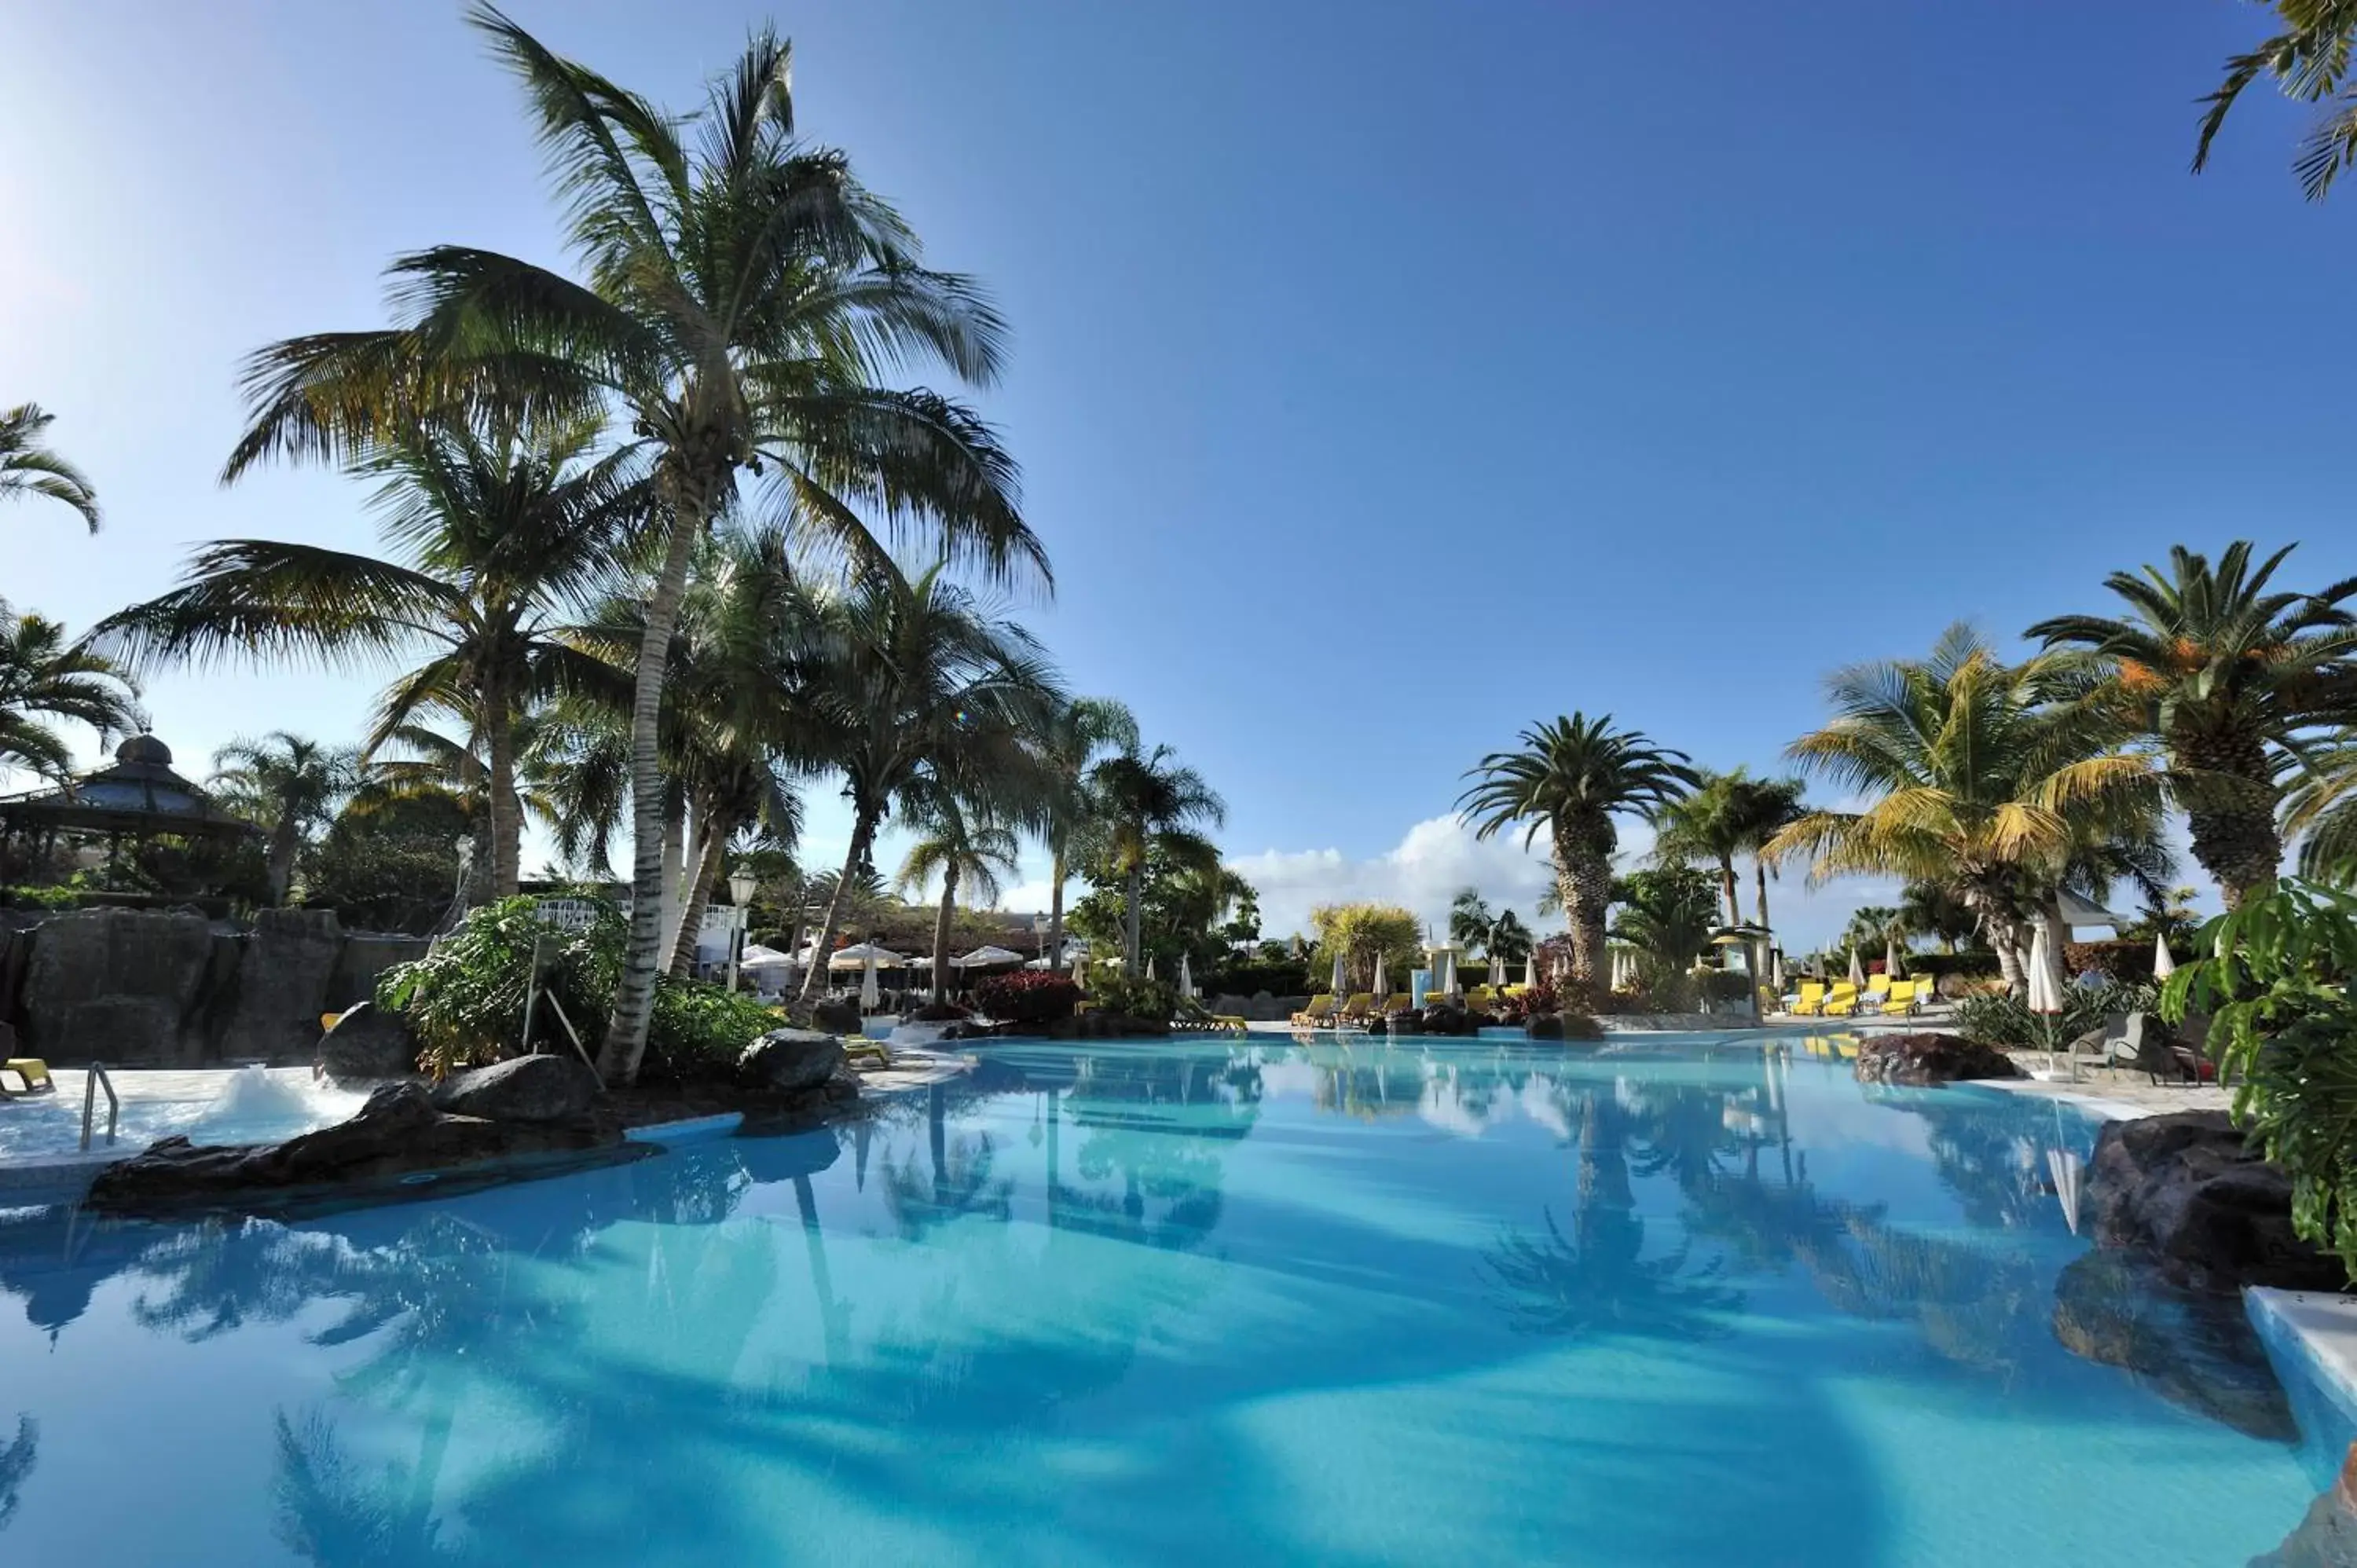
[{"x": 1386, "y": 376}]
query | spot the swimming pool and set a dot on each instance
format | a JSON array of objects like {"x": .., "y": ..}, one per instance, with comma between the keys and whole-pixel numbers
[
  {"x": 1239, "y": 1303},
  {"x": 245, "y": 1105}
]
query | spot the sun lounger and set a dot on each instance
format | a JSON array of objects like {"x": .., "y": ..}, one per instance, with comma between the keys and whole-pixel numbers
[
  {"x": 1319, "y": 1011},
  {"x": 1902, "y": 999},
  {"x": 1812, "y": 999},
  {"x": 21, "y": 1076},
  {"x": 2146, "y": 1045},
  {"x": 1358, "y": 1008},
  {"x": 1841, "y": 1001},
  {"x": 1397, "y": 1003}
]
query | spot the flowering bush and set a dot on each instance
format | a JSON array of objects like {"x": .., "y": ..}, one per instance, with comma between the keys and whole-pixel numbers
[{"x": 1032, "y": 996}]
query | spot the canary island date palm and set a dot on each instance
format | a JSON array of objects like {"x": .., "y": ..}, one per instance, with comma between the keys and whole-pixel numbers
[
  {"x": 2310, "y": 61},
  {"x": 1075, "y": 737},
  {"x": 288, "y": 785},
  {"x": 745, "y": 300},
  {"x": 2226, "y": 677},
  {"x": 495, "y": 535},
  {"x": 2320, "y": 812},
  {"x": 28, "y": 468},
  {"x": 1571, "y": 777},
  {"x": 1145, "y": 801},
  {"x": 43, "y": 677},
  {"x": 928, "y": 689},
  {"x": 959, "y": 843},
  {"x": 1971, "y": 776}
]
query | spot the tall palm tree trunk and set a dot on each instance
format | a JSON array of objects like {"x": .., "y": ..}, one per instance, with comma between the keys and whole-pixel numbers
[
  {"x": 1729, "y": 889},
  {"x": 703, "y": 875},
  {"x": 499, "y": 802},
  {"x": 634, "y": 998},
  {"x": 863, "y": 828},
  {"x": 2235, "y": 841},
  {"x": 1584, "y": 883},
  {"x": 284, "y": 840},
  {"x": 675, "y": 876},
  {"x": 1055, "y": 909},
  {"x": 941, "y": 932},
  {"x": 1760, "y": 879}
]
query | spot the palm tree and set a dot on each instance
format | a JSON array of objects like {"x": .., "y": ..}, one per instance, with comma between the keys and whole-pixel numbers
[
  {"x": 28, "y": 468},
  {"x": 1764, "y": 808},
  {"x": 1668, "y": 915},
  {"x": 745, "y": 296},
  {"x": 1146, "y": 802},
  {"x": 2224, "y": 678},
  {"x": 1508, "y": 941},
  {"x": 929, "y": 690},
  {"x": 1707, "y": 825},
  {"x": 1930, "y": 909},
  {"x": 2310, "y": 60},
  {"x": 287, "y": 784},
  {"x": 1871, "y": 924},
  {"x": 1571, "y": 777},
  {"x": 1068, "y": 745},
  {"x": 2321, "y": 811},
  {"x": 497, "y": 534},
  {"x": 44, "y": 677},
  {"x": 1469, "y": 918},
  {"x": 960, "y": 843},
  {"x": 1974, "y": 781},
  {"x": 743, "y": 717}
]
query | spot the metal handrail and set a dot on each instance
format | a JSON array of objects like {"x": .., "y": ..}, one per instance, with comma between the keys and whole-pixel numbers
[{"x": 91, "y": 1085}]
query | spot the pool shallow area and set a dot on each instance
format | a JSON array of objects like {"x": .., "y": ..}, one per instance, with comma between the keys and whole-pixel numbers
[
  {"x": 1243, "y": 1303},
  {"x": 242, "y": 1105}
]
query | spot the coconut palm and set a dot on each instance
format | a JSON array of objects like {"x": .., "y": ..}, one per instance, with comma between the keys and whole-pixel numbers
[
  {"x": 495, "y": 535},
  {"x": 1931, "y": 909},
  {"x": 1764, "y": 808},
  {"x": 2310, "y": 60},
  {"x": 743, "y": 717},
  {"x": 1707, "y": 825},
  {"x": 928, "y": 689},
  {"x": 1469, "y": 918},
  {"x": 959, "y": 842},
  {"x": 287, "y": 784},
  {"x": 1147, "y": 802},
  {"x": 744, "y": 297},
  {"x": 1075, "y": 737},
  {"x": 2224, "y": 677},
  {"x": 43, "y": 677},
  {"x": 1972, "y": 779},
  {"x": 29, "y": 468},
  {"x": 1572, "y": 776}
]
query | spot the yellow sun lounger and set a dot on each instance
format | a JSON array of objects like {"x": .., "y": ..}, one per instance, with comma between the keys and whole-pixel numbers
[
  {"x": 20, "y": 1076},
  {"x": 1841, "y": 1001},
  {"x": 1905, "y": 997},
  {"x": 1359, "y": 1008},
  {"x": 1813, "y": 998},
  {"x": 1397, "y": 1003},
  {"x": 1319, "y": 1011}
]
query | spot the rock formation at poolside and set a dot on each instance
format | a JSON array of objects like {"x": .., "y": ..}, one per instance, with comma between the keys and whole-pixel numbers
[
  {"x": 399, "y": 1135},
  {"x": 2185, "y": 1188},
  {"x": 542, "y": 1088},
  {"x": 1916, "y": 1060}
]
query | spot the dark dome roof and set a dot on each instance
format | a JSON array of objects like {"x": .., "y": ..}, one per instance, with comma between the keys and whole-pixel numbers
[{"x": 143, "y": 747}]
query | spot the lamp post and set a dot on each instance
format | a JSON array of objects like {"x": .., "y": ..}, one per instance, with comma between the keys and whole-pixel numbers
[{"x": 741, "y": 883}]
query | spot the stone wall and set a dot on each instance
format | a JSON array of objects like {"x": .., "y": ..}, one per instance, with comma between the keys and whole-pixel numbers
[{"x": 164, "y": 988}]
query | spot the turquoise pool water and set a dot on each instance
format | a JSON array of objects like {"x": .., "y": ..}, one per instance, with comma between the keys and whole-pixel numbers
[{"x": 1231, "y": 1303}]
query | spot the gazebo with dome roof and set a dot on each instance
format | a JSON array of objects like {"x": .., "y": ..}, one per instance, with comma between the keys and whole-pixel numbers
[{"x": 139, "y": 797}]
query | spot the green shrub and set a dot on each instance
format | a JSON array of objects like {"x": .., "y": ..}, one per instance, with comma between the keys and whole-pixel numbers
[
  {"x": 1280, "y": 977},
  {"x": 2006, "y": 1020},
  {"x": 2277, "y": 983},
  {"x": 465, "y": 1000},
  {"x": 1152, "y": 1000},
  {"x": 38, "y": 897}
]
